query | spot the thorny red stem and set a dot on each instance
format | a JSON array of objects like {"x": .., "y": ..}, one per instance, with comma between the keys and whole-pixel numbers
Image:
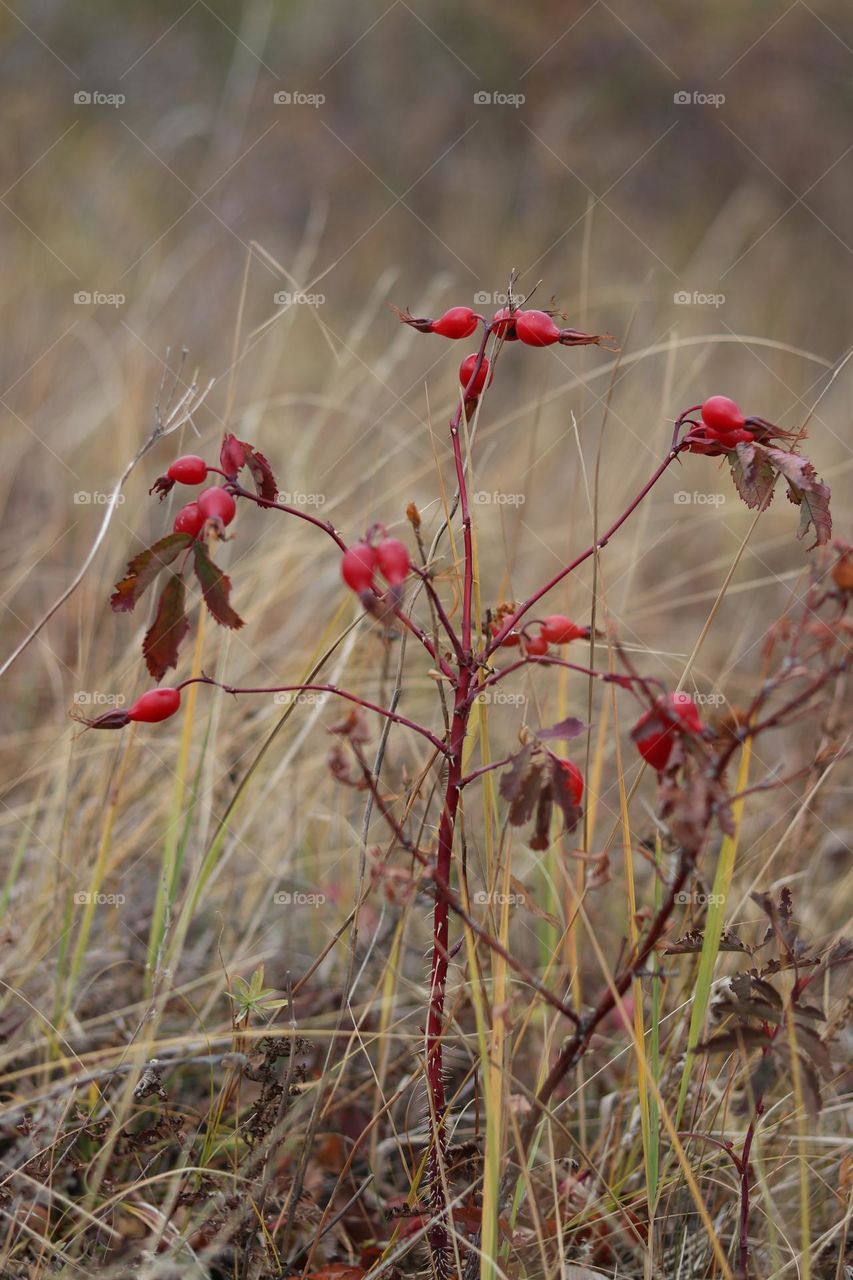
[
  {"x": 324, "y": 688},
  {"x": 438, "y": 1233},
  {"x": 528, "y": 604},
  {"x": 456, "y": 422},
  {"x": 455, "y": 903},
  {"x": 547, "y": 660},
  {"x": 438, "y": 1236}
]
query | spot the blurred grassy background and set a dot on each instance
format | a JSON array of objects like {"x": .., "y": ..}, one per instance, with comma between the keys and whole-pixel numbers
[{"x": 399, "y": 186}]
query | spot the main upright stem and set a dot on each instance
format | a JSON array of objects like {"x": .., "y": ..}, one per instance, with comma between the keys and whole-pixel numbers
[{"x": 439, "y": 1238}]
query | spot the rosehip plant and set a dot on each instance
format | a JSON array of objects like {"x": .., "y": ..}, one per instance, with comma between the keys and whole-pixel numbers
[{"x": 470, "y": 655}]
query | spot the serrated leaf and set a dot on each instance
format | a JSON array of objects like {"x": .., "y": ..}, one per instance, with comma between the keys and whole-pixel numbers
[
  {"x": 164, "y": 637},
  {"x": 564, "y": 731},
  {"x": 143, "y": 569},
  {"x": 541, "y": 838},
  {"x": 261, "y": 474},
  {"x": 232, "y": 455},
  {"x": 562, "y": 792},
  {"x": 807, "y": 492},
  {"x": 742, "y": 1037},
  {"x": 753, "y": 474},
  {"x": 216, "y": 588},
  {"x": 520, "y": 786},
  {"x": 236, "y": 454},
  {"x": 809, "y": 1042},
  {"x": 748, "y": 1009},
  {"x": 810, "y": 1011},
  {"x": 767, "y": 992}
]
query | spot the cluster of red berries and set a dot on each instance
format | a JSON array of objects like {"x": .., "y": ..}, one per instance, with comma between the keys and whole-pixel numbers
[
  {"x": 360, "y": 563},
  {"x": 656, "y": 731},
  {"x": 212, "y": 504},
  {"x": 536, "y": 328},
  {"x": 556, "y": 629},
  {"x": 722, "y": 427}
]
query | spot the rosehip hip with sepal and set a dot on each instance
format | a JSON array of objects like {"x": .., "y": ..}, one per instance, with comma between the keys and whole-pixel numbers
[
  {"x": 574, "y": 780},
  {"x": 558, "y": 629},
  {"x": 358, "y": 565},
  {"x": 536, "y": 646},
  {"x": 392, "y": 560},
  {"x": 510, "y": 641},
  {"x": 655, "y": 732},
  {"x": 189, "y": 520},
  {"x": 722, "y": 416},
  {"x": 217, "y": 504},
  {"x": 536, "y": 328},
  {"x": 466, "y": 369},
  {"x": 458, "y": 322},
  {"x": 503, "y": 324},
  {"x": 155, "y": 705},
  {"x": 190, "y": 469}
]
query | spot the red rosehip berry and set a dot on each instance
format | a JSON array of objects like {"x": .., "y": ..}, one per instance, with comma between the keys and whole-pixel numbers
[
  {"x": 392, "y": 560},
  {"x": 536, "y": 646},
  {"x": 458, "y": 322},
  {"x": 217, "y": 504},
  {"x": 655, "y": 731},
  {"x": 466, "y": 369},
  {"x": 358, "y": 565},
  {"x": 684, "y": 708},
  {"x": 510, "y": 641},
  {"x": 191, "y": 469},
  {"x": 654, "y": 740},
  {"x": 573, "y": 779},
  {"x": 558, "y": 629},
  {"x": 722, "y": 416},
  {"x": 536, "y": 328},
  {"x": 155, "y": 705},
  {"x": 189, "y": 520},
  {"x": 503, "y": 324}
]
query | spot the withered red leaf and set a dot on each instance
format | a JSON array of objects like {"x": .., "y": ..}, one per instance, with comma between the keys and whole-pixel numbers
[
  {"x": 216, "y": 588},
  {"x": 807, "y": 492},
  {"x": 143, "y": 569},
  {"x": 262, "y": 475},
  {"x": 564, "y": 731},
  {"x": 232, "y": 455},
  {"x": 164, "y": 637},
  {"x": 741, "y": 1037},
  {"x": 520, "y": 786}
]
